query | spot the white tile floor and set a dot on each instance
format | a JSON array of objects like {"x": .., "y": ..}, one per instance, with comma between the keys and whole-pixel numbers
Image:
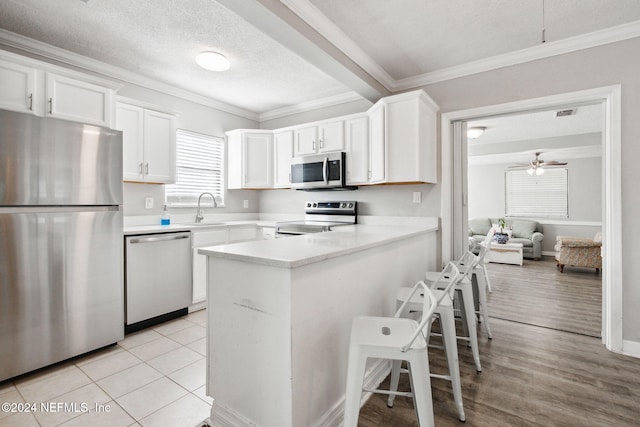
[{"x": 155, "y": 377}]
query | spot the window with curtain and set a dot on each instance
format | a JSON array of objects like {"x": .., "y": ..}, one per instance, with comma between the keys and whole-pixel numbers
[
  {"x": 199, "y": 168},
  {"x": 543, "y": 195}
]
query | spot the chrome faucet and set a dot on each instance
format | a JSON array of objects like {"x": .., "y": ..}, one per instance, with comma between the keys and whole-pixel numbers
[{"x": 199, "y": 216}]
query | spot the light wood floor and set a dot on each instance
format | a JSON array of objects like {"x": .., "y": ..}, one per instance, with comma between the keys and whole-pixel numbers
[{"x": 532, "y": 376}]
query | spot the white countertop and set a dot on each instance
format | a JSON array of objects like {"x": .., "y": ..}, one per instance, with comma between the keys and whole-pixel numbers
[
  {"x": 296, "y": 251},
  {"x": 157, "y": 228}
]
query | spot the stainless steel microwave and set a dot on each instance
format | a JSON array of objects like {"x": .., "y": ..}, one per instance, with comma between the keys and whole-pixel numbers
[{"x": 318, "y": 171}]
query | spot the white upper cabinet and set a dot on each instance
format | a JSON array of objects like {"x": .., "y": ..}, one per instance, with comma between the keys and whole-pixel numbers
[
  {"x": 282, "y": 153},
  {"x": 17, "y": 86},
  {"x": 72, "y": 99},
  {"x": 38, "y": 88},
  {"x": 250, "y": 159},
  {"x": 319, "y": 138},
  {"x": 356, "y": 132},
  {"x": 403, "y": 140},
  {"x": 149, "y": 148}
]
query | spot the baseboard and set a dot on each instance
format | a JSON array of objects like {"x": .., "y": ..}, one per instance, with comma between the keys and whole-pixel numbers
[
  {"x": 223, "y": 416},
  {"x": 631, "y": 348},
  {"x": 376, "y": 375}
]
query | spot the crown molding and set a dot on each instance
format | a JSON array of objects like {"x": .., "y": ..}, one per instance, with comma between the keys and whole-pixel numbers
[
  {"x": 546, "y": 50},
  {"x": 314, "y": 17},
  {"x": 43, "y": 50},
  {"x": 329, "y": 101}
]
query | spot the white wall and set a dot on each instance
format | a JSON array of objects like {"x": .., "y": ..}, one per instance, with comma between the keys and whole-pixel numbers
[{"x": 612, "y": 64}]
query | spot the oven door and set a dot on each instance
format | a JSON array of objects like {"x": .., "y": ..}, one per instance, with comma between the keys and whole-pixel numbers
[{"x": 323, "y": 171}]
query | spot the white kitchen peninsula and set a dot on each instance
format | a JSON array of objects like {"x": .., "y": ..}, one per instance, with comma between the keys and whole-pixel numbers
[{"x": 280, "y": 311}]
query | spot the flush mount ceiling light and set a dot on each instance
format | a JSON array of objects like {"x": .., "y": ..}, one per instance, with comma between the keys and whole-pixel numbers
[
  {"x": 213, "y": 61},
  {"x": 475, "y": 132}
]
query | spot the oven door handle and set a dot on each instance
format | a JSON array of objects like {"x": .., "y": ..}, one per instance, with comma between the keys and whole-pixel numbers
[{"x": 325, "y": 170}]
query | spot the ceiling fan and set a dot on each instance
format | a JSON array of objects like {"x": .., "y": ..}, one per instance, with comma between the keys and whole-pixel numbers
[{"x": 537, "y": 166}]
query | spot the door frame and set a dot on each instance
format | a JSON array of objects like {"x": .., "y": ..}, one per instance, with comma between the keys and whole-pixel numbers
[{"x": 454, "y": 192}]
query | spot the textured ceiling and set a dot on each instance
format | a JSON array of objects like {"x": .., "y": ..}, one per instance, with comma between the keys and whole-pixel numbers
[
  {"x": 159, "y": 39},
  {"x": 412, "y": 37}
]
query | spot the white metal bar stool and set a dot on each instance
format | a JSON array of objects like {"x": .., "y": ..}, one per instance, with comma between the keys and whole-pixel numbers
[
  {"x": 447, "y": 280},
  {"x": 463, "y": 287},
  {"x": 396, "y": 339},
  {"x": 482, "y": 279}
]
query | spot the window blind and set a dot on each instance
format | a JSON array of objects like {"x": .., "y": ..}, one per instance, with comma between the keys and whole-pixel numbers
[
  {"x": 199, "y": 168},
  {"x": 543, "y": 195}
]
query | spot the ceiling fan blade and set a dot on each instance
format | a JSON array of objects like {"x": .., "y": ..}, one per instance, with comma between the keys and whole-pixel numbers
[
  {"x": 554, "y": 163},
  {"x": 519, "y": 165}
]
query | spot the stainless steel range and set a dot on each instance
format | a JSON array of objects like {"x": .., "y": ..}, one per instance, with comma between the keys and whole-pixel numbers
[{"x": 319, "y": 217}]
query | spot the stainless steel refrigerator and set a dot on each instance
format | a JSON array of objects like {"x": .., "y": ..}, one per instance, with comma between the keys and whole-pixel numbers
[{"x": 61, "y": 244}]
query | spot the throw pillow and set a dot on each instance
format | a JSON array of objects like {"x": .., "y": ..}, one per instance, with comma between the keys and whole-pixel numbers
[
  {"x": 479, "y": 226},
  {"x": 523, "y": 229}
]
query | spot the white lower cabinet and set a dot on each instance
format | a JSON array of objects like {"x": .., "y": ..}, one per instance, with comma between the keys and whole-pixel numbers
[{"x": 211, "y": 237}]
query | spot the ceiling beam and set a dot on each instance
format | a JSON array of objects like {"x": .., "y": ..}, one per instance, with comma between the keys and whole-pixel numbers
[{"x": 277, "y": 21}]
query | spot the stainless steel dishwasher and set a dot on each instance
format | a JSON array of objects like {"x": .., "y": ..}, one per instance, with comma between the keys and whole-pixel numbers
[{"x": 158, "y": 278}]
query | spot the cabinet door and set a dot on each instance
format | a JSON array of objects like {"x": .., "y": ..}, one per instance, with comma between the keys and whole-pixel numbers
[
  {"x": 357, "y": 143},
  {"x": 283, "y": 151},
  {"x": 258, "y": 160},
  {"x": 159, "y": 147},
  {"x": 331, "y": 137},
  {"x": 377, "y": 144},
  {"x": 129, "y": 119},
  {"x": 17, "y": 84},
  {"x": 243, "y": 234},
  {"x": 79, "y": 101},
  {"x": 306, "y": 139}
]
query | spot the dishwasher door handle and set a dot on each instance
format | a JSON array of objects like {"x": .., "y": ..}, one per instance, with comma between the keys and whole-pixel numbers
[{"x": 158, "y": 239}]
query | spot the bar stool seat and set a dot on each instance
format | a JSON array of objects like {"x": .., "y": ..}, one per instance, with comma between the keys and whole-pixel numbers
[{"x": 397, "y": 339}]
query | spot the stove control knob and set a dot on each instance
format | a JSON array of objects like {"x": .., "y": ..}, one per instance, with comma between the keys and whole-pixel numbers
[
  {"x": 350, "y": 205},
  {"x": 315, "y": 205},
  {"x": 308, "y": 204},
  {"x": 343, "y": 205}
]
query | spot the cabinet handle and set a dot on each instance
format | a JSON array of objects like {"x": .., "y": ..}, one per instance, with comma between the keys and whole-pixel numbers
[
  {"x": 50, "y": 105},
  {"x": 140, "y": 168},
  {"x": 313, "y": 145},
  {"x": 159, "y": 238},
  {"x": 321, "y": 143},
  {"x": 31, "y": 102},
  {"x": 147, "y": 169}
]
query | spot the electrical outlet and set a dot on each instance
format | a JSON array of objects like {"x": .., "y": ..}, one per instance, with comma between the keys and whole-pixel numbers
[
  {"x": 245, "y": 204},
  {"x": 417, "y": 197},
  {"x": 148, "y": 202}
]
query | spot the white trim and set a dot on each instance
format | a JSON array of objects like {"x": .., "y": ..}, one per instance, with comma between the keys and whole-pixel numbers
[
  {"x": 323, "y": 25},
  {"x": 329, "y": 101},
  {"x": 569, "y": 223},
  {"x": 612, "y": 314},
  {"x": 631, "y": 348},
  {"x": 44, "y": 50},
  {"x": 223, "y": 416}
]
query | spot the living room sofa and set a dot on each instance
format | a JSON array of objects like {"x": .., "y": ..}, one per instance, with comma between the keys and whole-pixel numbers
[{"x": 524, "y": 231}]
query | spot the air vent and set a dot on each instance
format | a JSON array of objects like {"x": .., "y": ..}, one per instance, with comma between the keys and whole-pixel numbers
[{"x": 564, "y": 113}]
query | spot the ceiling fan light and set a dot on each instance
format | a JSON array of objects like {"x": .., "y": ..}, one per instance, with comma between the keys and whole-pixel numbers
[
  {"x": 475, "y": 132},
  {"x": 530, "y": 171},
  {"x": 539, "y": 171},
  {"x": 213, "y": 61}
]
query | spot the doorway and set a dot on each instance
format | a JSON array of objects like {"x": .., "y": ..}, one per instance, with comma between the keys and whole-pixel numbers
[
  {"x": 454, "y": 191},
  {"x": 542, "y": 169}
]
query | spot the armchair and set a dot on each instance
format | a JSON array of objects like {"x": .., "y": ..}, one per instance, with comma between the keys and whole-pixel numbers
[{"x": 578, "y": 252}]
